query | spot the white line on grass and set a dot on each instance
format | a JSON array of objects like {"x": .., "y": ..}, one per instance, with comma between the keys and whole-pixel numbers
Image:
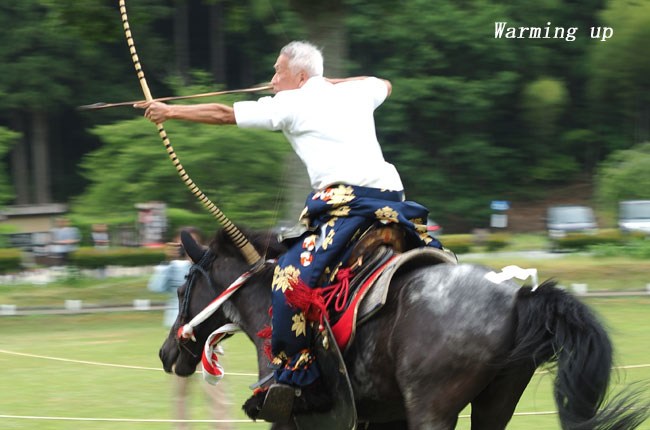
[
  {"x": 634, "y": 366},
  {"x": 94, "y": 363},
  {"x": 145, "y": 420},
  {"x": 128, "y": 420}
]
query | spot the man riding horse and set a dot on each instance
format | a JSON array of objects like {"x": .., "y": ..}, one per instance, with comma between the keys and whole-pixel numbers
[{"x": 330, "y": 125}]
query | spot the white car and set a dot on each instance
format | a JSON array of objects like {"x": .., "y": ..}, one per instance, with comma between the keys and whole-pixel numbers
[
  {"x": 561, "y": 220},
  {"x": 634, "y": 215}
]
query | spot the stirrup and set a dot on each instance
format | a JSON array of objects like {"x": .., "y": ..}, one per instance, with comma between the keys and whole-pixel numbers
[{"x": 278, "y": 404}]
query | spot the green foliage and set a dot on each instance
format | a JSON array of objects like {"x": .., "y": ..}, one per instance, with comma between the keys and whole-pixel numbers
[
  {"x": 544, "y": 101},
  {"x": 240, "y": 170},
  {"x": 582, "y": 241},
  {"x": 7, "y": 139},
  {"x": 635, "y": 249},
  {"x": 5, "y": 231},
  {"x": 496, "y": 241},
  {"x": 178, "y": 218},
  {"x": 619, "y": 79},
  {"x": 91, "y": 258},
  {"x": 459, "y": 243},
  {"x": 58, "y": 52},
  {"x": 624, "y": 175},
  {"x": 10, "y": 260}
]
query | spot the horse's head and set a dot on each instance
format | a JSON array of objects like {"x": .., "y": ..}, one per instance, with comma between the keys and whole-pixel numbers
[{"x": 214, "y": 269}]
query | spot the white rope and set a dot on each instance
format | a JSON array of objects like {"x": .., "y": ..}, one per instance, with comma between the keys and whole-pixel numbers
[
  {"x": 158, "y": 369},
  {"x": 126, "y": 420},
  {"x": 633, "y": 366},
  {"x": 520, "y": 414},
  {"x": 146, "y": 420},
  {"x": 95, "y": 363}
]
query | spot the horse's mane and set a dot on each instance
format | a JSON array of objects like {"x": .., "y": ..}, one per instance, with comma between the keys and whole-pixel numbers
[{"x": 265, "y": 242}]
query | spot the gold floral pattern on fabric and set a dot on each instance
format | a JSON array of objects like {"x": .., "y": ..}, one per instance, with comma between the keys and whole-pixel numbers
[
  {"x": 328, "y": 239},
  {"x": 332, "y": 221},
  {"x": 341, "y": 195},
  {"x": 304, "y": 358},
  {"x": 299, "y": 325},
  {"x": 280, "y": 358},
  {"x": 282, "y": 278},
  {"x": 387, "y": 213},
  {"x": 424, "y": 237},
  {"x": 340, "y": 211},
  {"x": 420, "y": 226}
]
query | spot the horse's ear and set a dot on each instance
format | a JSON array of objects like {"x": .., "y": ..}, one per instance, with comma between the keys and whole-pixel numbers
[{"x": 192, "y": 248}]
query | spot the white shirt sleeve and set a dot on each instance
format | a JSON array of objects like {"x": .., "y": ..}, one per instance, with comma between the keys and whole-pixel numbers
[
  {"x": 371, "y": 88},
  {"x": 378, "y": 89},
  {"x": 267, "y": 113}
]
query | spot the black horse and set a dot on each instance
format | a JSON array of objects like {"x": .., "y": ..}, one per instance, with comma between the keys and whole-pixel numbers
[{"x": 447, "y": 337}]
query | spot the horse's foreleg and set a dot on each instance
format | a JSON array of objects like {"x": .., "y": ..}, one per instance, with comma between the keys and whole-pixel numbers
[{"x": 494, "y": 406}]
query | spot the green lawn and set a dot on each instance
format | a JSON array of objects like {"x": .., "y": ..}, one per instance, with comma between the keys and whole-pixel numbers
[
  {"x": 43, "y": 387},
  {"x": 109, "y": 291}
]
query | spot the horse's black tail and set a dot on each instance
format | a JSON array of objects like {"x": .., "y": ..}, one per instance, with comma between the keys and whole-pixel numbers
[{"x": 555, "y": 326}]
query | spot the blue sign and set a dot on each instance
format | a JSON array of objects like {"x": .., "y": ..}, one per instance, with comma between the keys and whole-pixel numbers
[{"x": 500, "y": 205}]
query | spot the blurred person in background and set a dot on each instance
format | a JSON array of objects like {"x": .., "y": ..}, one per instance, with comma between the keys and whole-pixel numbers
[
  {"x": 167, "y": 278},
  {"x": 100, "y": 236},
  {"x": 64, "y": 239}
]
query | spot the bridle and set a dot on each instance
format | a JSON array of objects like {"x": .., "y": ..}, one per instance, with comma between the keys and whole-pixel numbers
[
  {"x": 186, "y": 331},
  {"x": 201, "y": 268},
  {"x": 196, "y": 271}
]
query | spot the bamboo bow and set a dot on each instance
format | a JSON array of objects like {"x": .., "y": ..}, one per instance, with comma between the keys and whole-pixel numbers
[{"x": 250, "y": 253}]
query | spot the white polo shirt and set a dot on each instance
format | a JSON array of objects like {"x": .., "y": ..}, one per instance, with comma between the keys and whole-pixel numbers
[{"x": 331, "y": 128}]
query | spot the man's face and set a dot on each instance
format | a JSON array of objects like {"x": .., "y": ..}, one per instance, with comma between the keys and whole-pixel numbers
[{"x": 284, "y": 78}]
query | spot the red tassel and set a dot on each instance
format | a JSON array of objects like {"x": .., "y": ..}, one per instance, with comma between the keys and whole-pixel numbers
[
  {"x": 308, "y": 300},
  {"x": 265, "y": 333},
  {"x": 267, "y": 350}
]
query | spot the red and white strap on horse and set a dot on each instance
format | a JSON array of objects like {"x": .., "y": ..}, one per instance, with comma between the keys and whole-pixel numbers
[
  {"x": 212, "y": 370},
  {"x": 187, "y": 331}
]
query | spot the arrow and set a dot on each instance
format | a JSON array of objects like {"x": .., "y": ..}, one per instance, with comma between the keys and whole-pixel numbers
[{"x": 102, "y": 105}]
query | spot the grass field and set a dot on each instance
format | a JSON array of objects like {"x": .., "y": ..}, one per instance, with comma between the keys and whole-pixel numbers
[{"x": 31, "y": 386}]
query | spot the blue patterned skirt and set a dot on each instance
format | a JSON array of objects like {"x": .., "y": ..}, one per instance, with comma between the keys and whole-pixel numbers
[{"x": 336, "y": 217}]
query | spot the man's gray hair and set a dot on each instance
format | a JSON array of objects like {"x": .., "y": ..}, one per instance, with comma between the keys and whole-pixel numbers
[{"x": 304, "y": 56}]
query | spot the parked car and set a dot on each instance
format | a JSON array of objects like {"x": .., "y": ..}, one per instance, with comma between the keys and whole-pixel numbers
[
  {"x": 634, "y": 215},
  {"x": 561, "y": 220}
]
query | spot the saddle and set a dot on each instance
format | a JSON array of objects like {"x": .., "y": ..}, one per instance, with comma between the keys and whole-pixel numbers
[{"x": 378, "y": 254}]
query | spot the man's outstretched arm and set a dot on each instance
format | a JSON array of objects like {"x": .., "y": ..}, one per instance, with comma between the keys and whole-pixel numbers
[
  {"x": 358, "y": 78},
  {"x": 207, "y": 113}
]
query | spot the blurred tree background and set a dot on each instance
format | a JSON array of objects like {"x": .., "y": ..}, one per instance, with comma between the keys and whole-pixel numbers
[{"x": 472, "y": 118}]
